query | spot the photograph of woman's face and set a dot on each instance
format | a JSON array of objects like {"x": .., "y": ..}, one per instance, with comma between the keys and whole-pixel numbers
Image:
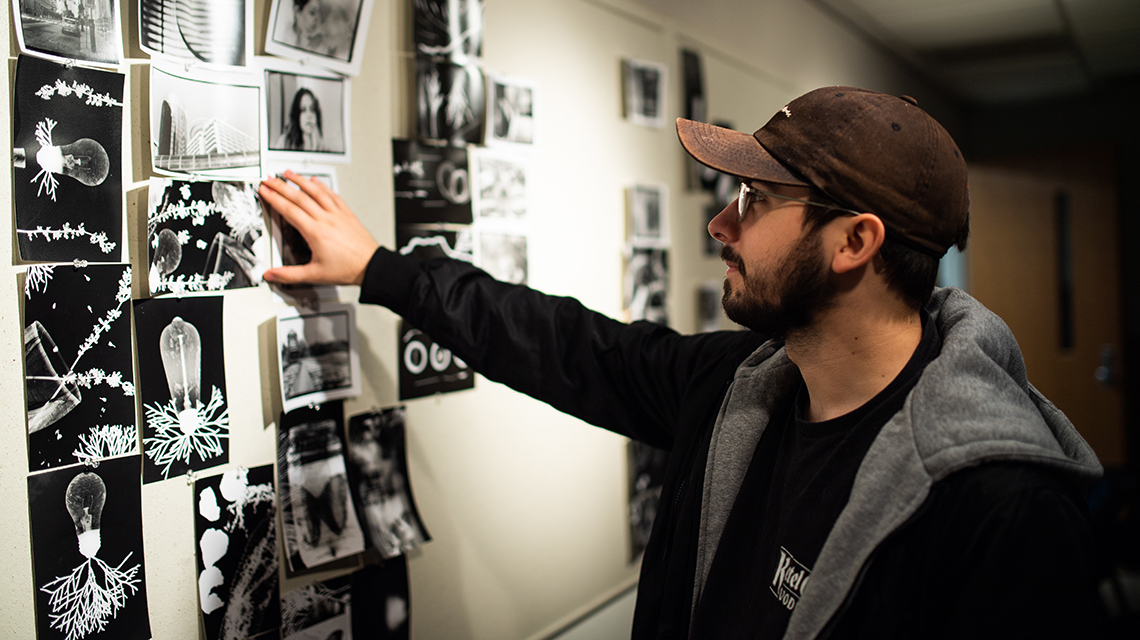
[
  {"x": 307, "y": 17},
  {"x": 309, "y": 117}
]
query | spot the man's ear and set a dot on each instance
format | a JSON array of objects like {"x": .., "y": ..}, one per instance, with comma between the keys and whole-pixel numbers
[{"x": 859, "y": 240}]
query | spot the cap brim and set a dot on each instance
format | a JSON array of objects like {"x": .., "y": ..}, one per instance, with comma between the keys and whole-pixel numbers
[{"x": 733, "y": 152}]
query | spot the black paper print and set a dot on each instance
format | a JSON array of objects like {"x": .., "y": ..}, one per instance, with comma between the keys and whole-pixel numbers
[
  {"x": 646, "y": 477},
  {"x": 211, "y": 31},
  {"x": 317, "y": 513},
  {"x": 67, "y": 156},
  {"x": 432, "y": 183},
  {"x": 427, "y": 368},
  {"x": 378, "y": 471},
  {"x": 235, "y": 527},
  {"x": 322, "y": 610},
  {"x": 182, "y": 366},
  {"x": 448, "y": 29},
  {"x": 450, "y": 101},
  {"x": 647, "y": 285},
  {"x": 79, "y": 372},
  {"x": 430, "y": 241},
  {"x": 85, "y": 30},
  {"x": 205, "y": 236},
  {"x": 86, "y": 530},
  {"x": 383, "y": 606}
]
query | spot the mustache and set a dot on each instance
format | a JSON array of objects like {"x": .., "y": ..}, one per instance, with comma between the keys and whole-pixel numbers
[{"x": 728, "y": 254}]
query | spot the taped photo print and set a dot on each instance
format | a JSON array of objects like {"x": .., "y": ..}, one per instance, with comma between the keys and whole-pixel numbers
[
  {"x": 307, "y": 114},
  {"x": 432, "y": 183},
  {"x": 80, "y": 30},
  {"x": 325, "y": 33},
  {"x": 450, "y": 101},
  {"x": 510, "y": 110},
  {"x": 318, "y": 611},
  {"x": 448, "y": 29},
  {"x": 427, "y": 368},
  {"x": 318, "y": 356},
  {"x": 644, "y": 92},
  {"x": 217, "y": 32}
]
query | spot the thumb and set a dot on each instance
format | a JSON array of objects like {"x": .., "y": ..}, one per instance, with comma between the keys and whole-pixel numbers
[{"x": 298, "y": 274}]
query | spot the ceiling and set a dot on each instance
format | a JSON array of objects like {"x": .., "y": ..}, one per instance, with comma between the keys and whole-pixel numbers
[{"x": 991, "y": 52}]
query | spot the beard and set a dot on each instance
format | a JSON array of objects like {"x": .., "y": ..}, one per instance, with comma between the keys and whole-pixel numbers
[{"x": 786, "y": 299}]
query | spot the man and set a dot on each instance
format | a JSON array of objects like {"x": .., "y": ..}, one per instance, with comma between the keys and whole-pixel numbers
[{"x": 882, "y": 468}]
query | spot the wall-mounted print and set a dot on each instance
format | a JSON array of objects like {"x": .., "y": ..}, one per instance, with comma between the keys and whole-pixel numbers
[
  {"x": 643, "y": 85},
  {"x": 448, "y": 29},
  {"x": 307, "y": 115},
  {"x": 647, "y": 285},
  {"x": 319, "y": 611},
  {"x": 235, "y": 530},
  {"x": 89, "y": 585},
  {"x": 205, "y": 124},
  {"x": 204, "y": 236},
  {"x": 500, "y": 185},
  {"x": 385, "y": 584},
  {"x": 378, "y": 471},
  {"x": 319, "y": 519},
  {"x": 81, "y": 30},
  {"x": 646, "y": 478},
  {"x": 326, "y": 33},
  {"x": 427, "y": 368},
  {"x": 510, "y": 110},
  {"x": 67, "y": 181},
  {"x": 198, "y": 31},
  {"x": 78, "y": 368},
  {"x": 317, "y": 351},
  {"x": 709, "y": 313},
  {"x": 186, "y": 423},
  {"x": 647, "y": 224},
  {"x": 503, "y": 255},
  {"x": 450, "y": 101},
  {"x": 431, "y": 241},
  {"x": 432, "y": 183}
]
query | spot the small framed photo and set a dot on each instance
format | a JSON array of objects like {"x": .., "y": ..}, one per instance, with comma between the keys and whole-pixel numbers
[
  {"x": 326, "y": 33},
  {"x": 510, "y": 110},
  {"x": 307, "y": 114},
  {"x": 648, "y": 221},
  {"x": 318, "y": 358},
  {"x": 644, "y": 92}
]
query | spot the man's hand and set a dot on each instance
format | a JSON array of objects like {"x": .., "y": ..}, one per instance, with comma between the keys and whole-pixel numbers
[{"x": 341, "y": 245}]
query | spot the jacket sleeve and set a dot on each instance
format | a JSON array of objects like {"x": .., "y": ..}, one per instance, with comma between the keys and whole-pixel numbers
[{"x": 631, "y": 379}]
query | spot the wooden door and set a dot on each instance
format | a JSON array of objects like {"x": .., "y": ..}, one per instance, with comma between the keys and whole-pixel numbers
[{"x": 1017, "y": 263}]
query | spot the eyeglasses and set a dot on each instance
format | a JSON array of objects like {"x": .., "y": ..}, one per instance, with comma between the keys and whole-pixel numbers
[{"x": 748, "y": 194}]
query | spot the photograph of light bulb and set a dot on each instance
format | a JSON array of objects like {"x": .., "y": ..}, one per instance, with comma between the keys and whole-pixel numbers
[
  {"x": 185, "y": 421},
  {"x": 67, "y": 161}
]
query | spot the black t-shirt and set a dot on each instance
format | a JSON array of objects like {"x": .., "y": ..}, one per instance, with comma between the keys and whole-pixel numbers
[{"x": 798, "y": 482}]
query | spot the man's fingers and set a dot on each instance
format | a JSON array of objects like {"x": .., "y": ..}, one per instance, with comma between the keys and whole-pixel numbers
[
  {"x": 315, "y": 189},
  {"x": 298, "y": 274}
]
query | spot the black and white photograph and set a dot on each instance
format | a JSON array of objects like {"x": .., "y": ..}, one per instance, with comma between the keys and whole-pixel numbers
[
  {"x": 89, "y": 585},
  {"x": 432, "y": 183},
  {"x": 205, "y": 124},
  {"x": 317, "y": 351},
  {"x": 643, "y": 85},
  {"x": 648, "y": 221},
  {"x": 67, "y": 178},
  {"x": 186, "y": 423},
  {"x": 204, "y": 236},
  {"x": 318, "y": 611},
  {"x": 647, "y": 285},
  {"x": 646, "y": 478},
  {"x": 500, "y": 184},
  {"x": 510, "y": 110},
  {"x": 217, "y": 32},
  {"x": 448, "y": 29},
  {"x": 78, "y": 366},
  {"x": 326, "y": 33},
  {"x": 709, "y": 312},
  {"x": 235, "y": 531},
  {"x": 81, "y": 30},
  {"x": 450, "y": 101},
  {"x": 427, "y": 368},
  {"x": 317, "y": 512},
  {"x": 378, "y": 473},
  {"x": 307, "y": 115},
  {"x": 503, "y": 255},
  {"x": 383, "y": 605}
]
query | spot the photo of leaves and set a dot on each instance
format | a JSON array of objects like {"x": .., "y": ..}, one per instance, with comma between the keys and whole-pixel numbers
[
  {"x": 67, "y": 155},
  {"x": 204, "y": 236},
  {"x": 235, "y": 526},
  {"x": 87, "y": 584},
  {"x": 79, "y": 370},
  {"x": 186, "y": 424}
]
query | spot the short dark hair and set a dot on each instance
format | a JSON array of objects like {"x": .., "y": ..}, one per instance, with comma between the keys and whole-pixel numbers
[{"x": 909, "y": 273}]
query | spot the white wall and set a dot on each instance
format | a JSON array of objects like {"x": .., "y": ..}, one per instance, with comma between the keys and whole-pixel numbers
[{"x": 526, "y": 505}]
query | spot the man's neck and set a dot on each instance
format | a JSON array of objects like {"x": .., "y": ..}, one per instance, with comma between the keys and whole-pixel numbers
[{"x": 850, "y": 355}]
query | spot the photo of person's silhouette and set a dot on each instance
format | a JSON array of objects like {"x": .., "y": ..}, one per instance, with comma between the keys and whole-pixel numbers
[{"x": 303, "y": 130}]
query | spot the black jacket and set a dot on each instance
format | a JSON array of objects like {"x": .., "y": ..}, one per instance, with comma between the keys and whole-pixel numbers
[{"x": 995, "y": 547}]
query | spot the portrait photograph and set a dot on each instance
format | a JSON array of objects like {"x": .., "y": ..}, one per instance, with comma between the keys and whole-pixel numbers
[
  {"x": 643, "y": 85},
  {"x": 216, "y": 32},
  {"x": 318, "y": 356},
  {"x": 327, "y": 33},
  {"x": 307, "y": 116},
  {"x": 87, "y": 31}
]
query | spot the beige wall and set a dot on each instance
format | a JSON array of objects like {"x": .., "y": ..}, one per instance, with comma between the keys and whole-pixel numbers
[{"x": 527, "y": 506}]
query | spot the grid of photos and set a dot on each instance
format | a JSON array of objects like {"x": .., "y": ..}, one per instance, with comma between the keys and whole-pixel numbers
[
  {"x": 326, "y": 33},
  {"x": 318, "y": 359}
]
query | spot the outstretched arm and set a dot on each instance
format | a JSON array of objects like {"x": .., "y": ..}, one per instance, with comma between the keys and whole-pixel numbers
[{"x": 341, "y": 245}]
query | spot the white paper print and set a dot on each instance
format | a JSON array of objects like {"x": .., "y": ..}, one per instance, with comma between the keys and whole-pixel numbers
[
  {"x": 198, "y": 31},
  {"x": 78, "y": 30},
  {"x": 326, "y": 33},
  {"x": 647, "y": 285},
  {"x": 510, "y": 110},
  {"x": 318, "y": 357},
  {"x": 307, "y": 113},
  {"x": 648, "y": 220},
  {"x": 644, "y": 92}
]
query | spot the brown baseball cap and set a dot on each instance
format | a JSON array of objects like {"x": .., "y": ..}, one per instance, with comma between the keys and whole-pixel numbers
[{"x": 867, "y": 151}]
